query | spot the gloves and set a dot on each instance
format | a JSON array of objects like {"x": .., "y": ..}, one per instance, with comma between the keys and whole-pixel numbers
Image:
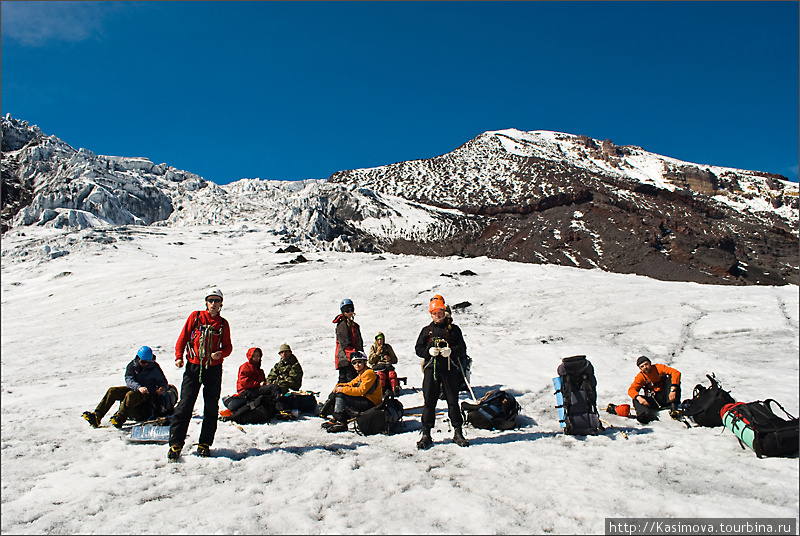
[
  {"x": 445, "y": 351},
  {"x": 434, "y": 351}
]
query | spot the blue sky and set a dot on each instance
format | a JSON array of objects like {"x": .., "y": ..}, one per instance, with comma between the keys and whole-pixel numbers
[{"x": 295, "y": 90}]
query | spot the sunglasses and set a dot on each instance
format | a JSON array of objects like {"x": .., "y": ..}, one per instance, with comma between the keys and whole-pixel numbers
[{"x": 214, "y": 300}]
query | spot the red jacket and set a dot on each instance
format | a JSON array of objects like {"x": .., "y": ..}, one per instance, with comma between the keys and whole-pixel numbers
[
  {"x": 348, "y": 340},
  {"x": 189, "y": 339},
  {"x": 250, "y": 374}
]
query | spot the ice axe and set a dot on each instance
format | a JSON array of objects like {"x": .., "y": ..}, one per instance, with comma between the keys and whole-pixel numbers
[{"x": 463, "y": 375}]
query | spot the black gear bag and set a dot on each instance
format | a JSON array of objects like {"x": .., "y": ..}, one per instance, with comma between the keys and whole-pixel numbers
[
  {"x": 706, "y": 402},
  {"x": 496, "y": 410},
  {"x": 382, "y": 419},
  {"x": 758, "y": 426}
]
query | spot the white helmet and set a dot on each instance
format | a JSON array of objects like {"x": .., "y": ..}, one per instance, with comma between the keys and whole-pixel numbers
[{"x": 214, "y": 291}]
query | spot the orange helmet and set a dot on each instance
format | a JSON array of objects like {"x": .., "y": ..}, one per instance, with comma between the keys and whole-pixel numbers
[{"x": 437, "y": 302}]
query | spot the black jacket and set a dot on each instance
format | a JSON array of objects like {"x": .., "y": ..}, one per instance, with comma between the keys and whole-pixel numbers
[{"x": 449, "y": 332}]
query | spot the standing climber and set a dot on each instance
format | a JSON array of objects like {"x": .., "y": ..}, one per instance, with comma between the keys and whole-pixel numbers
[
  {"x": 206, "y": 338},
  {"x": 442, "y": 346}
]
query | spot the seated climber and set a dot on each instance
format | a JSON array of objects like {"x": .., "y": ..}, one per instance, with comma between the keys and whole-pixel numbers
[
  {"x": 662, "y": 388},
  {"x": 381, "y": 359},
  {"x": 287, "y": 373},
  {"x": 358, "y": 395},
  {"x": 145, "y": 395}
]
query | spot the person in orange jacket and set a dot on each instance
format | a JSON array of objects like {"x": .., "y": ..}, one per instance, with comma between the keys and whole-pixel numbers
[
  {"x": 206, "y": 339},
  {"x": 662, "y": 388},
  {"x": 360, "y": 394}
]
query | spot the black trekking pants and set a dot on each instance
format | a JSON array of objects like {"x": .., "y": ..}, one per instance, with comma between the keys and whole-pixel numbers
[
  {"x": 342, "y": 401},
  {"x": 658, "y": 400},
  {"x": 271, "y": 390},
  {"x": 447, "y": 380},
  {"x": 190, "y": 389}
]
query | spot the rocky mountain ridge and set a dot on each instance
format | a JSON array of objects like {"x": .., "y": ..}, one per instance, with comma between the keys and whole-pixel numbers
[{"x": 539, "y": 196}]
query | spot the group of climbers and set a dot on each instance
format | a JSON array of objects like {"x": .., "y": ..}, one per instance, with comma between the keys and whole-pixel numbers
[{"x": 363, "y": 380}]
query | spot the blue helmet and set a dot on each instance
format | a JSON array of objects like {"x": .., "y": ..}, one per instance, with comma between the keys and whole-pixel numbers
[
  {"x": 345, "y": 303},
  {"x": 145, "y": 354}
]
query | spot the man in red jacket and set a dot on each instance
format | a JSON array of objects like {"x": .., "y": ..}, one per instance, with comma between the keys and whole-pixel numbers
[{"x": 206, "y": 339}]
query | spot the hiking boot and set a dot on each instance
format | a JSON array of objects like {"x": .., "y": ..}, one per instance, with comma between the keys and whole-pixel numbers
[
  {"x": 203, "y": 450},
  {"x": 425, "y": 441},
  {"x": 92, "y": 418},
  {"x": 118, "y": 420},
  {"x": 174, "y": 452},
  {"x": 327, "y": 424},
  {"x": 337, "y": 427},
  {"x": 459, "y": 439}
]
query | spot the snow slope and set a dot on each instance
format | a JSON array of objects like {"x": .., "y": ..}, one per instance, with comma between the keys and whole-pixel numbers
[{"x": 71, "y": 323}]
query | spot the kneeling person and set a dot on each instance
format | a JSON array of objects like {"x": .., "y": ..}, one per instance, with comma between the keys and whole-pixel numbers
[{"x": 360, "y": 394}]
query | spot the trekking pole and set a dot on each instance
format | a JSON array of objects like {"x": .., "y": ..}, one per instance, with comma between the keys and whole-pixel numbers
[
  {"x": 624, "y": 434},
  {"x": 463, "y": 375}
]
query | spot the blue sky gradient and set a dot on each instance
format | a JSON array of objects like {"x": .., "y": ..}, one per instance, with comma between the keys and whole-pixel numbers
[{"x": 295, "y": 90}]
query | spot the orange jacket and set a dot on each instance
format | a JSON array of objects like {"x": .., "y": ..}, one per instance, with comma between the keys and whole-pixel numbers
[
  {"x": 365, "y": 384},
  {"x": 656, "y": 379}
]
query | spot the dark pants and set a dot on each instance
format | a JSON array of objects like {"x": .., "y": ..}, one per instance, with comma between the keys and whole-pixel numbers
[
  {"x": 347, "y": 373},
  {"x": 657, "y": 400},
  {"x": 447, "y": 380},
  {"x": 128, "y": 397},
  {"x": 271, "y": 390},
  {"x": 342, "y": 401},
  {"x": 190, "y": 389}
]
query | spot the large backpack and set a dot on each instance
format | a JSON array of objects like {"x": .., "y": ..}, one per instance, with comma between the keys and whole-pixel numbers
[
  {"x": 706, "y": 402},
  {"x": 382, "y": 419},
  {"x": 158, "y": 406},
  {"x": 257, "y": 411},
  {"x": 302, "y": 401},
  {"x": 576, "y": 394},
  {"x": 496, "y": 410},
  {"x": 760, "y": 428}
]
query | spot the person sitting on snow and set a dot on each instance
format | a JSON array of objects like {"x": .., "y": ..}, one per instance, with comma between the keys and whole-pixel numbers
[
  {"x": 661, "y": 385},
  {"x": 143, "y": 396},
  {"x": 250, "y": 384},
  {"x": 381, "y": 359},
  {"x": 287, "y": 373},
  {"x": 360, "y": 394}
]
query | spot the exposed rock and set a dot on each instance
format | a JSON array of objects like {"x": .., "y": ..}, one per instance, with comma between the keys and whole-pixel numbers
[{"x": 542, "y": 197}]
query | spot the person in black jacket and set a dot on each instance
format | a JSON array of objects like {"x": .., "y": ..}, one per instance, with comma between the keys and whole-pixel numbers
[
  {"x": 145, "y": 385},
  {"x": 442, "y": 346}
]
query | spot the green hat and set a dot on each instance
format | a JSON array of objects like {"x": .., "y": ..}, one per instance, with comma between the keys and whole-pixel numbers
[
  {"x": 380, "y": 336},
  {"x": 284, "y": 348}
]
